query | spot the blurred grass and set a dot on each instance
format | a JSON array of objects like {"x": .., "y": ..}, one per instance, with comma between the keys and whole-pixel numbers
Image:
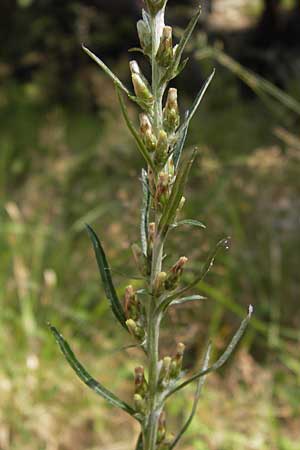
[{"x": 61, "y": 168}]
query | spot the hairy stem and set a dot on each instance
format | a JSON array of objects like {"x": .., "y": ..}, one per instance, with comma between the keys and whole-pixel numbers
[{"x": 150, "y": 437}]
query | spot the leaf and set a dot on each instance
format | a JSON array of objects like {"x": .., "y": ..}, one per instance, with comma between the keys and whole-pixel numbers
[
  {"x": 190, "y": 298},
  {"x": 182, "y": 134},
  {"x": 192, "y": 222},
  {"x": 145, "y": 212},
  {"x": 139, "y": 444},
  {"x": 196, "y": 399},
  {"x": 205, "y": 269},
  {"x": 223, "y": 358},
  {"x": 195, "y": 105},
  {"x": 86, "y": 377},
  {"x": 183, "y": 129},
  {"x": 146, "y": 18},
  {"x": 144, "y": 152},
  {"x": 172, "y": 301},
  {"x": 170, "y": 210},
  {"x": 181, "y": 67},
  {"x": 177, "y": 66},
  {"x": 105, "y": 274},
  {"x": 136, "y": 49},
  {"x": 224, "y": 243},
  {"x": 107, "y": 70},
  {"x": 186, "y": 36}
]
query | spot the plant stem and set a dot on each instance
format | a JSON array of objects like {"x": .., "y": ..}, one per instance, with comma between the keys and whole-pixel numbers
[
  {"x": 157, "y": 25},
  {"x": 153, "y": 322}
]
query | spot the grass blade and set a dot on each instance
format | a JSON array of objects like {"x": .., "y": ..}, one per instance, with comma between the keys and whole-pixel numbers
[
  {"x": 86, "y": 377},
  {"x": 138, "y": 140},
  {"x": 105, "y": 274},
  {"x": 200, "y": 384},
  {"x": 170, "y": 210},
  {"x": 223, "y": 358}
]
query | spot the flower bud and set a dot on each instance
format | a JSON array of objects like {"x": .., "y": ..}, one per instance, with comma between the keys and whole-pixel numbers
[
  {"x": 167, "y": 442},
  {"x": 161, "y": 152},
  {"x": 162, "y": 189},
  {"x": 175, "y": 273},
  {"x": 171, "y": 112},
  {"x": 164, "y": 54},
  {"x": 161, "y": 431},
  {"x": 144, "y": 36},
  {"x": 164, "y": 375},
  {"x": 140, "y": 382},
  {"x": 147, "y": 133},
  {"x": 151, "y": 234},
  {"x": 181, "y": 204},
  {"x": 171, "y": 168},
  {"x": 139, "y": 258},
  {"x": 131, "y": 304},
  {"x": 155, "y": 5},
  {"x": 140, "y": 84},
  {"x": 159, "y": 283},
  {"x": 176, "y": 364},
  {"x": 139, "y": 404},
  {"x": 152, "y": 181},
  {"x": 134, "y": 329}
]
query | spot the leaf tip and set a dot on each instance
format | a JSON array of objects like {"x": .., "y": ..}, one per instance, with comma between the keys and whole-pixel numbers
[{"x": 250, "y": 311}]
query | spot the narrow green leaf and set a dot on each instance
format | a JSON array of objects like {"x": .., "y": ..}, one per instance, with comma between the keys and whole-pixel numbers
[
  {"x": 105, "y": 274},
  {"x": 139, "y": 444},
  {"x": 136, "y": 49},
  {"x": 146, "y": 18},
  {"x": 181, "y": 67},
  {"x": 196, "y": 399},
  {"x": 181, "y": 138},
  {"x": 189, "y": 298},
  {"x": 170, "y": 210},
  {"x": 144, "y": 152},
  {"x": 182, "y": 132},
  {"x": 223, "y": 358},
  {"x": 177, "y": 66},
  {"x": 205, "y": 269},
  {"x": 86, "y": 377},
  {"x": 224, "y": 243},
  {"x": 145, "y": 212},
  {"x": 197, "y": 101},
  {"x": 192, "y": 222},
  {"x": 107, "y": 70},
  {"x": 173, "y": 300},
  {"x": 186, "y": 37}
]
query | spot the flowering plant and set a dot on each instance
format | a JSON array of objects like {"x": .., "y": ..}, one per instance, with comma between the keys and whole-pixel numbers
[{"x": 160, "y": 140}]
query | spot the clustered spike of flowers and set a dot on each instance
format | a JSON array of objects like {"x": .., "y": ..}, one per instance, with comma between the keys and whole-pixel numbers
[{"x": 160, "y": 139}]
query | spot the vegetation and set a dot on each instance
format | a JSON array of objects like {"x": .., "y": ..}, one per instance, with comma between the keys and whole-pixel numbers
[
  {"x": 58, "y": 166},
  {"x": 161, "y": 142}
]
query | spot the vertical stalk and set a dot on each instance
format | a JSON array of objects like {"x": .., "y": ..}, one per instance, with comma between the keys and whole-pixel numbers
[{"x": 153, "y": 322}]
